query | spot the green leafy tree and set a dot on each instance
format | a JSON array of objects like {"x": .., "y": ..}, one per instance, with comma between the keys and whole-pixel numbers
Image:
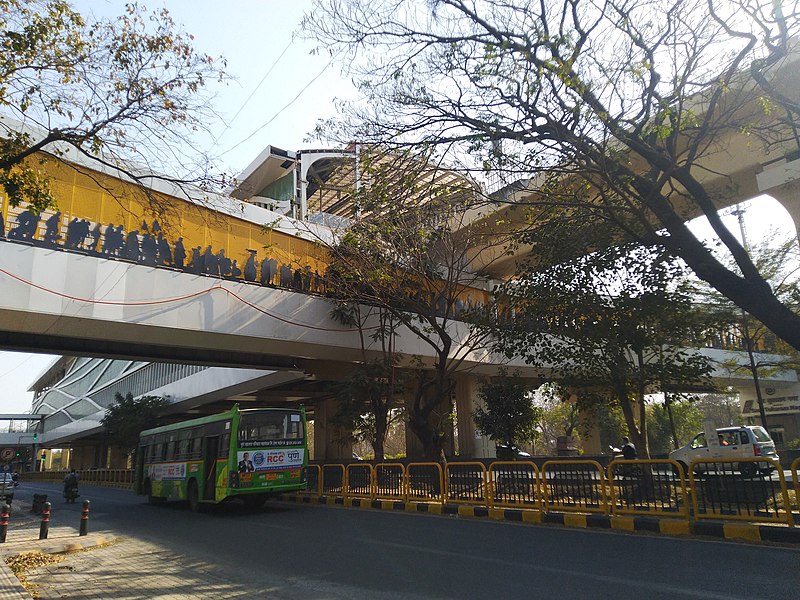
[
  {"x": 122, "y": 92},
  {"x": 618, "y": 115},
  {"x": 406, "y": 255},
  {"x": 369, "y": 401},
  {"x": 128, "y": 417},
  {"x": 686, "y": 417},
  {"x": 559, "y": 417},
  {"x": 508, "y": 415},
  {"x": 612, "y": 326}
]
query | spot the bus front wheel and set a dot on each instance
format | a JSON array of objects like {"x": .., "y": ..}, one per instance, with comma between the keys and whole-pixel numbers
[{"x": 193, "y": 496}]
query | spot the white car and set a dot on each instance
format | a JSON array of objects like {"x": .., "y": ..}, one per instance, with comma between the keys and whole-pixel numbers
[{"x": 734, "y": 443}]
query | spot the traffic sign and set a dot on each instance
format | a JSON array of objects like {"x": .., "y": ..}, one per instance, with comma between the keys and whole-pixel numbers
[{"x": 6, "y": 454}]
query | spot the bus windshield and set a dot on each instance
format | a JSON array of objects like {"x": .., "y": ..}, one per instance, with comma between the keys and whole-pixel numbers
[{"x": 270, "y": 428}]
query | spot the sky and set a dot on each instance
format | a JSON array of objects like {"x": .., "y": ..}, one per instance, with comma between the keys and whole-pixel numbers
[{"x": 281, "y": 89}]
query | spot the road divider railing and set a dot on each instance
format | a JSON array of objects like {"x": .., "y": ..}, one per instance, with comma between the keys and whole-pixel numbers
[
  {"x": 649, "y": 487},
  {"x": 389, "y": 481},
  {"x": 333, "y": 480},
  {"x": 119, "y": 478},
  {"x": 466, "y": 483},
  {"x": 574, "y": 486},
  {"x": 661, "y": 488},
  {"x": 424, "y": 482},
  {"x": 746, "y": 489},
  {"x": 358, "y": 481},
  {"x": 313, "y": 476},
  {"x": 740, "y": 490},
  {"x": 515, "y": 484}
]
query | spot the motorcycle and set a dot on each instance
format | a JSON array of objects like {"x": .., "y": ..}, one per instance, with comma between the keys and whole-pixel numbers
[{"x": 71, "y": 492}]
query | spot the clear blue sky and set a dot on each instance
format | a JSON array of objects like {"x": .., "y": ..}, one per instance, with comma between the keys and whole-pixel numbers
[{"x": 280, "y": 92}]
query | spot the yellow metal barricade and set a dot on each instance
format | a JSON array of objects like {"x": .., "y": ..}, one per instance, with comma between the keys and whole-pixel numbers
[
  {"x": 333, "y": 479},
  {"x": 313, "y": 475},
  {"x": 574, "y": 486},
  {"x": 515, "y": 484},
  {"x": 424, "y": 482},
  {"x": 358, "y": 481},
  {"x": 389, "y": 481},
  {"x": 796, "y": 480},
  {"x": 651, "y": 487},
  {"x": 466, "y": 483},
  {"x": 721, "y": 490}
]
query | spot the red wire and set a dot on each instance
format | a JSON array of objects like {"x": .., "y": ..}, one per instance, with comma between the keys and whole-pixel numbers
[{"x": 168, "y": 300}]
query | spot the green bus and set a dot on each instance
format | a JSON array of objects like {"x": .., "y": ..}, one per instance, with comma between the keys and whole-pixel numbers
[{"x": 242, "y": 453}]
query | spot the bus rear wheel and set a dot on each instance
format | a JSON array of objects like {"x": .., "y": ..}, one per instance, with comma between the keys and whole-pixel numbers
[{"x": 193, "y": 496}]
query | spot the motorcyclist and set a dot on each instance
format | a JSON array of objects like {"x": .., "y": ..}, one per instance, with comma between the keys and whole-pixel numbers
[
  {"x": 71, "y": 486},
  {"x": 628, "y": 450}
]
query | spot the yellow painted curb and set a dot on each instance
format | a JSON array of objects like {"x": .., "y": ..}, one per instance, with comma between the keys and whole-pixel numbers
[
  {"x": 532, "y": 516},
  {"x": 411, "y": 506},
  {"x": 575, "y": 520},
  {"x": 742, "y": 531},
  {"x": 624, "y": 523},
  {"x": 674, "y": 527},
  {"x": 498, "y": 514},
  {"x": 330, "y": 500},
  {"x": 365, "y": 503},
  {"x": 435, "y": 509},
  {"x": 466, "y": 511},
  {"x": 387, "y": 505}
]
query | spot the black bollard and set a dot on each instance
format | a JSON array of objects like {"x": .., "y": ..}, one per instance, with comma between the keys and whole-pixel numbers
[
  {"x": 4, "y": 522},
  {"x": 44, "y": 528},
  {"x": 84, "y": 518}
]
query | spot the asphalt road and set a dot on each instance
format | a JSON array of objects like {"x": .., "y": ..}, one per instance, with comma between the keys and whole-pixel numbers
[{"x": 349, "y": 553}]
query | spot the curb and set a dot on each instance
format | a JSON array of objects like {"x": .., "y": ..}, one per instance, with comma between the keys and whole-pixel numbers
[{"x": 740, "y": 531}]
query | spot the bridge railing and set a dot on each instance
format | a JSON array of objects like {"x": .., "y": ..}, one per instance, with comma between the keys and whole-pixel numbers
[{"x": 723, "y": 490}]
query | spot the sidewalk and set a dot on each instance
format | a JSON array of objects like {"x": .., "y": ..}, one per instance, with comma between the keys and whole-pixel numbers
[{"x": 102, "y": 566}]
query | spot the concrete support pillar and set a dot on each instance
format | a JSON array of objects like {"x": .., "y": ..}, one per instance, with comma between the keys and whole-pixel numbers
[
  {"x": 328, "y": 439},
  {"x": 82, "y": 457},
  {"x": 66, "y": 458},
  {"x": 118, "y": 458},
  {"x": 471, "y": 442},
  {"x": 781, "y": 180}
]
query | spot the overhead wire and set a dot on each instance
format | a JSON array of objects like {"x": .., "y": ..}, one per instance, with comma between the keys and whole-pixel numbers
[
  {"x": 289, "y": 104},
  {"x": 253, "y": 93}
]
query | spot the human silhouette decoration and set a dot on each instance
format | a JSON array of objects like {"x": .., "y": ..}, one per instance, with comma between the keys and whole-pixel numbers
[{"x": 148, "y": 245}]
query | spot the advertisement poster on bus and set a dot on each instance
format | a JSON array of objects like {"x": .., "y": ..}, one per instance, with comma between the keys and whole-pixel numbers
[
  {"x": 253, "y": 461},
  {"x": 175, "y": 471}
]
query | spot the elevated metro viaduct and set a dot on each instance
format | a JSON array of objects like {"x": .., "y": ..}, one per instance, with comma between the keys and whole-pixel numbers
[{"x": 202, "y": 303}]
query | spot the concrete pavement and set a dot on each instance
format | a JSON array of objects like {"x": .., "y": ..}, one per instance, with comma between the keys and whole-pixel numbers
[{"x": 101, "y": 566}]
